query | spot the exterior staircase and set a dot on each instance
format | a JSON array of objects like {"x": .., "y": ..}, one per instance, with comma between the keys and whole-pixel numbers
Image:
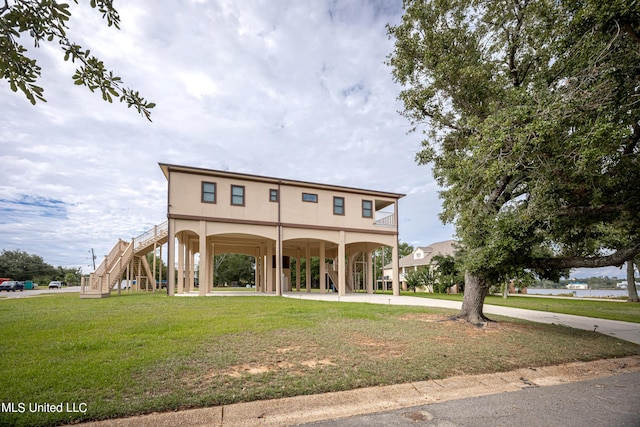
[
  {"x": 125, "y": 255},
  {"x": 333, "y": 276}
]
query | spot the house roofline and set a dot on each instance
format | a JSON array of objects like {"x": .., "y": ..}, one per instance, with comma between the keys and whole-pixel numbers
[{"x": 166, "y": 168}]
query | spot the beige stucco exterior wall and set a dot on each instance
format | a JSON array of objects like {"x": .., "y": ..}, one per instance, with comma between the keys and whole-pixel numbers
[{"x": 265, "y": 228}]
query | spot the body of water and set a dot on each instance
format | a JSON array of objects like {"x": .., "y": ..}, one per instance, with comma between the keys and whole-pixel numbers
[{"x": 581, "y": 293}]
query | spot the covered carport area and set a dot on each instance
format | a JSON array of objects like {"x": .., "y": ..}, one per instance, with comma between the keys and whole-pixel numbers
[{"x": 345, "y": 256}]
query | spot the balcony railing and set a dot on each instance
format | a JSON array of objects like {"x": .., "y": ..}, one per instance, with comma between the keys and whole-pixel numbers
[{"x": 386, "y": 221}]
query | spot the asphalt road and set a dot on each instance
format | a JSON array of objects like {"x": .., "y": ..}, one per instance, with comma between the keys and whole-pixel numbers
[
  {"x": 610, "y": 401},
  {"x": 42, "y": 290}
]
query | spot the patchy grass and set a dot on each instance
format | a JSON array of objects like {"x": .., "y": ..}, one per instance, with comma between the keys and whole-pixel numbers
[
  {"x": 140, "y": 353},
  {"x": 601, "y": 309}
]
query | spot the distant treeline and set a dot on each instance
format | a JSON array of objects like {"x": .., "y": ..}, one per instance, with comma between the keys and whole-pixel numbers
[{"x": 19, "y": 265}]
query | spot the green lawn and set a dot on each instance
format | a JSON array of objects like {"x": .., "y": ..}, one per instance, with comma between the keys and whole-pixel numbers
[
  {"x": 602, "y": 309},
  {"x": 140, "y": 353}
]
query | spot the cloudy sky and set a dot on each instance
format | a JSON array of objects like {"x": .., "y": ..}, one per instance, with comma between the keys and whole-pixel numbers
[{"x": 285, "y": 88}]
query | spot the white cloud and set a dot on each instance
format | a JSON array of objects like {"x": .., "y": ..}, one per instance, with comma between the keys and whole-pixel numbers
[{"x": 281, "y": 88}]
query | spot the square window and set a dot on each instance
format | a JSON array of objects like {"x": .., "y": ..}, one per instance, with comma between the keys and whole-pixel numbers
[
  {"x": 367, "y": 209},
  {"x": 338, "y": 205},
  {"x": 209, "y": 192},
  {"x": 237, "y": 195},
  {"x": 273, "y": 195},
  {"x": 308, "y": 197}
]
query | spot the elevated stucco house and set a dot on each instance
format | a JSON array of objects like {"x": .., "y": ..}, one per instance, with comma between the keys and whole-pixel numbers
[
  {"x": 274, "y": 220},
  {"x": 421, "y": 256}
]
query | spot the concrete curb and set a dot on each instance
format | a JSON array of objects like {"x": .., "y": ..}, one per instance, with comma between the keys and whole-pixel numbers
[{"x": 305, "y": 409}]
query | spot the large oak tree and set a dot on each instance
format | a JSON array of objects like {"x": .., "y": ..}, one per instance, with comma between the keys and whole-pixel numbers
[
  {"x": 47, "y": 21},
  {"x": 530, "y": 111}
]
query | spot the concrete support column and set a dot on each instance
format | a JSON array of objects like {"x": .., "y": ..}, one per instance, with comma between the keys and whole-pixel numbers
[
  {"x": 350, "y": 270},
  {"x": 265, "y": 270},
  {"x": 171, "y": 261},
  {"x": 192, "y": 267},
  {"x": 130, "y": 276},
  {"x": 279, "y": 270},
  {"x": 180, "y": 265},
  {"x": 270, "y": 274},
  {"x": 256, "y": 274},
  {"x": 323, "y": 268},
  {"x": 204, "y": 259},
  {"x": 395, "y": 282},
  {"x": 370, "y": 278},
  {"x": 298, "y": 278},
  {"x": 160, "y": 270},
  {"x": 342, "y": 285},
  {"x": 155, "y": 248},
  {"x": 188, "y": 268},
  {"x": 211, "y": 268},
  {"x": 307, "y": 257},
  {"x": 138, "y": 278}
]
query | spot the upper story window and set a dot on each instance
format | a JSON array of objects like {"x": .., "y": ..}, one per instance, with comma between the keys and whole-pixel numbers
[
  {"x": 338, "y": 205},
  {"x": 237, "y": 195},
  {"x": 367, "y": 209},
  {"x": 309, "y": 197},
  {"x": 273, "y": 195},
  {"x": 208, "y": 192}
]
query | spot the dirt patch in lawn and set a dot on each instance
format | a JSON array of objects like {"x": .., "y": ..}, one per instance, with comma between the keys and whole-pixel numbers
[
  {"x": 469, "y": 329},
  {"x": 377, "y": 348},
  {"x": 239, "y": 371}
]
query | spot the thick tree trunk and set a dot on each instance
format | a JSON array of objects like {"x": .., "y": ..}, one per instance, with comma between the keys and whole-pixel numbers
[
  {"x": 631, "y": 282},
  {"x": 475, "y": 289}
]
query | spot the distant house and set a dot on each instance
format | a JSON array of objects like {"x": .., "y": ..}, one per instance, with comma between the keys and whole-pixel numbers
[
  {"x": 421, "y": 256},
  {"x": 575, "y": 286}
]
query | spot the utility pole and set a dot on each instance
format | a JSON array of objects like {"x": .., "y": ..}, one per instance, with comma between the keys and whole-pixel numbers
[{"x": 93, "y": 259}]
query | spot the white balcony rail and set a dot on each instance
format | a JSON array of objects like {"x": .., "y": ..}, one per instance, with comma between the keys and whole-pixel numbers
[{"x": 386, "y": 221}]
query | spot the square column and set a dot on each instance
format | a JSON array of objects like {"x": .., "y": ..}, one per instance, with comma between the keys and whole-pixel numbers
[
  {"x": 180, "y": 266},
  {"x": 342, "y": 285},
  {"x": 256, "y": 274},
  {"x": 263, "y": 265},
  {"x": 298, "y": 278},
  {"x": 211, "y": 268},
  {"x": 369, "y": 275},
  {"x": 171, "y": 254},
  {"x": 202, "y": 290},
  {"x": 395, "y": 280},
  {"x": 307, "y": 256},
  {"x": 188, "y": 269},
  {"x": 279, "y": 270},
  {"x": 323, "y": 268},
  {"x": 269, "y": 268}
]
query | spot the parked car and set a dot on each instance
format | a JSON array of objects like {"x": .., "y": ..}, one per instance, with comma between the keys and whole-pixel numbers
[
  {"x": 55, "y": 284},
  {"x": 12, "y": 286}
]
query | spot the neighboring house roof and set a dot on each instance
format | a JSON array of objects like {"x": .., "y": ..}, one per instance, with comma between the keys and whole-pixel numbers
[{"x": 423, "y": 255}]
